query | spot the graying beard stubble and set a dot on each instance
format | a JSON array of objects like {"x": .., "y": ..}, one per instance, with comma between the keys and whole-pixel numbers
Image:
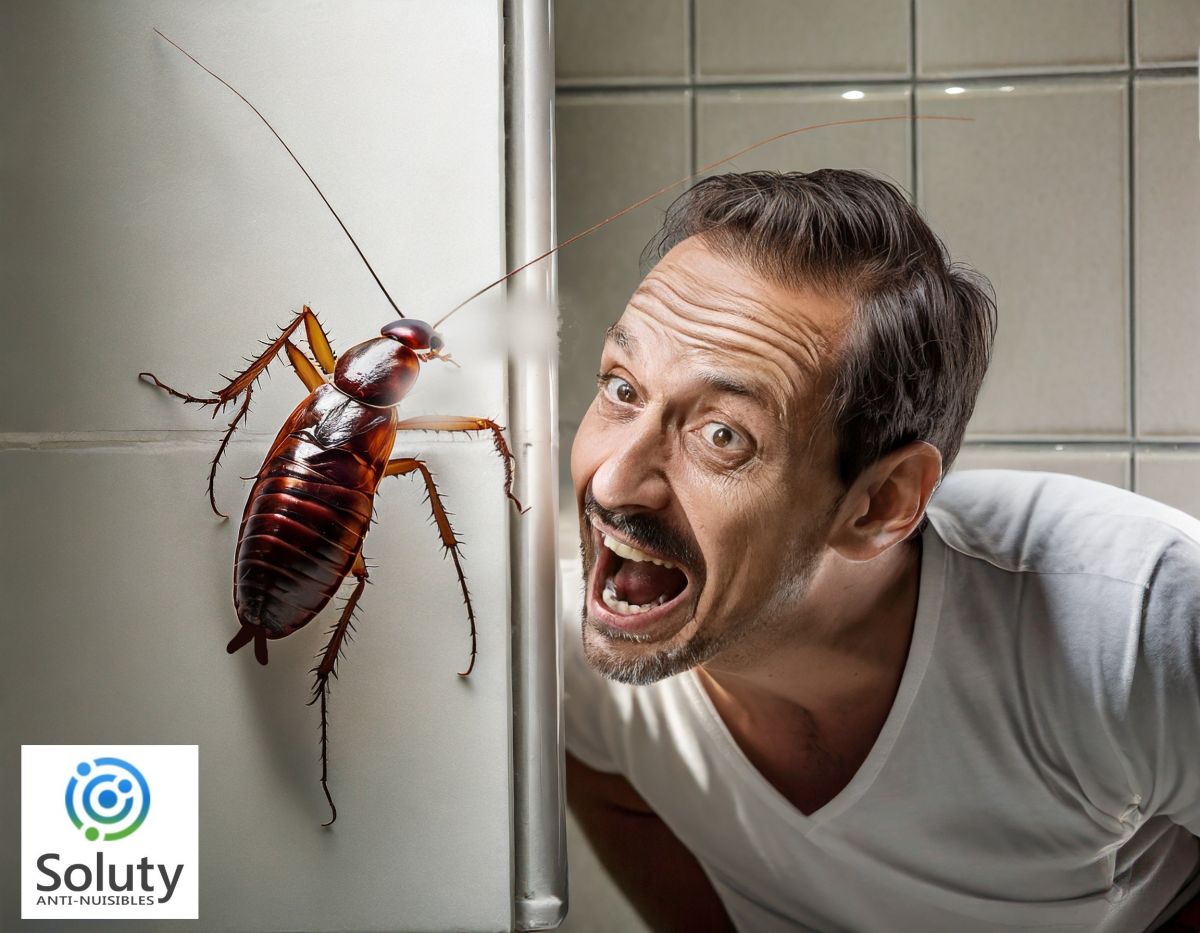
[{"x": 651, "y": 668}]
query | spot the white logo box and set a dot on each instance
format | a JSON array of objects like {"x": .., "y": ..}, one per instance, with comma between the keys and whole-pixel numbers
[{"x": 159, "y": 859}]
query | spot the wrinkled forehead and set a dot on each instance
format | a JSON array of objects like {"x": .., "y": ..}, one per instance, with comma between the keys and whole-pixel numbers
[{"x": 697, "y": 309}]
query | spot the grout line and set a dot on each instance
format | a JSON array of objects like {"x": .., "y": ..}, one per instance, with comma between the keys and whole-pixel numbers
[
  {"x": 693, "y": 136},
  {"x": 627, "y": 85},
  {"x": 913, "y": 141},
  {"x": 1130, "y": 239},
  {"x": 693, "y": 105},
  {"x": 913, "y": 71},
  {"x": 1077, "y": 442},
  {"x": 1020, "y": 73},
  {"x": 1131, "y": 39},
  {"x": 692, "y": 68}
]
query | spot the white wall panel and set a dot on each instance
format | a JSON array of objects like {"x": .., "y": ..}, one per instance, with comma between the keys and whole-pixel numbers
[{"x": 151, "y": 222}]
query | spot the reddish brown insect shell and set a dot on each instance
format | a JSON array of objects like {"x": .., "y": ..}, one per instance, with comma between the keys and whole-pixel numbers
[
  {"x": 308, "y": 512},
  {"x": 377, "y": 372},
  {"x": 414, "y": 334}
]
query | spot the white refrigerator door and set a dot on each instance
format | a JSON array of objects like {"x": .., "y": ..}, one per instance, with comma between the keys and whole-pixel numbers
[{"x": 151, "y": 222}]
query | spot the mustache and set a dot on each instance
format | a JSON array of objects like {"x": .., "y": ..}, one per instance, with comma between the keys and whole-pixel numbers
[{"x": 644, "y": 531}]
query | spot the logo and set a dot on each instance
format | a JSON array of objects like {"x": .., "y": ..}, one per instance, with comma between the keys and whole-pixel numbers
[
  {"x": 127, "y": 845},
  {"x": 108, "y": 791}
]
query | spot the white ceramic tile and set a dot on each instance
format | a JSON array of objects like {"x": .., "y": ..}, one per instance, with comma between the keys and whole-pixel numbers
[
  {"x": 620, "y": 41},
  {"x": 1104, "y": 464},
  {"x": 1167, "y": 31},
  {"x": 1171, "y": 477},
  {"x": 962, "y": 37},
  {"x": 612, "y": 149},
  {"x": 727, "y": 121},
  {"x": 802, "y": 38},
  {"x": 121, "y": 579},
  {"x": 1167, "y": 257},
  {"x": 1033, "y": 194},
  {"x": 156, "y": 224}
]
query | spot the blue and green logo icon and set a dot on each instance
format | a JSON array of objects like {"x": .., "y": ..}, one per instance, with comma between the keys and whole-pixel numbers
[{"x": 108, "y": 791}]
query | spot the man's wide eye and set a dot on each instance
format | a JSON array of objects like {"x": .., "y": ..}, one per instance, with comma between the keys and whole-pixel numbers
[
  {"x": 723, "y": 436},
  {"x": 619, "y": 390}
]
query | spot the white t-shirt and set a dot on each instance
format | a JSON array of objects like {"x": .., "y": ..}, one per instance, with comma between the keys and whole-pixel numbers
[{"x": 1040, "y": 766}]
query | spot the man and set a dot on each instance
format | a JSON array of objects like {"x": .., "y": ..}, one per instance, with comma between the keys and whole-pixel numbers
[{"x": 813, "y": 694}]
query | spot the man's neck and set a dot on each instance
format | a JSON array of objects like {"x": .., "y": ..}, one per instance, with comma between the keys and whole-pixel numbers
[{"x": 832, "y": 673}]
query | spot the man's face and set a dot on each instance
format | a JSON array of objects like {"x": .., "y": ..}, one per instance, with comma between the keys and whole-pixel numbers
[{"x": 700, "y": 451}]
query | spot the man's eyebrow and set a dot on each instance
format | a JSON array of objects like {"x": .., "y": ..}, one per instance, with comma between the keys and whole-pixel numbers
[
  {"x": 761, "y": 393},
  {"x": 620, "y": 336},
  {"x": 723, "y": 382}
]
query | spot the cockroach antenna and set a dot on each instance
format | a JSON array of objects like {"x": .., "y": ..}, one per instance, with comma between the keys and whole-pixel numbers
[
  {"x": 582, "y": 233},
  {"x": 267, "y": 123},
  {"x": 680, "y": 181},
  {"x": 295, "y": 550}
]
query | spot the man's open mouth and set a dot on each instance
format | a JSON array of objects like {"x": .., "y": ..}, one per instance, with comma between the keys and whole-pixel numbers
[{"x": 631, "y": 587}]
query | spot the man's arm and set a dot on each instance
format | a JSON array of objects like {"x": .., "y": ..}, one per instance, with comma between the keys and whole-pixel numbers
[{"x": 654, "y": 870}]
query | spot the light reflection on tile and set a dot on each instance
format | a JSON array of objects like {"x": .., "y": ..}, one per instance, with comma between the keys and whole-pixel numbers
[
  {"x": 730, "y": 120},
  {"x": 1033, "y": 194}
]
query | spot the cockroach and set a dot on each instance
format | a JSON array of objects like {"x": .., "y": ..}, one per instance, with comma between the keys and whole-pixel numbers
[{"x": 311, "y": 502}]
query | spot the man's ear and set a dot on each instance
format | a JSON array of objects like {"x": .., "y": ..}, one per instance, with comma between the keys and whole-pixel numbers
[{"x": 886, "y": 502}]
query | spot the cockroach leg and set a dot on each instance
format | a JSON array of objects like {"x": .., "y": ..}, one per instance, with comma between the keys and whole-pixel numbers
[
  {"x": 404, "y": 465},
  {"x": 212, "y": 470},
  {"x": 243, "y": 380},
  {"x": 328, "y": 665},
  {"x": 459, "y": 423},
  {"x": 318, "y": 342},
  {"x": 247, "y": 377},
  {"x": 153, "y": 380},
  {"x": 303, "y": 366},
  {"x": 325, "y": 760}
]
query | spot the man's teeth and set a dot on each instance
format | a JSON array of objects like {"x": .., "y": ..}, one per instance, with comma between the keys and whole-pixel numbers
[
  {"x": 619, "y": 605},
  {"x": 632, "y": 553}
]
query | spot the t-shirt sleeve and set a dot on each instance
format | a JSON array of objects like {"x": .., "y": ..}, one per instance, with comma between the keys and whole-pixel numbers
[
  {"x": 590, "y": 706},
  {"x": 1164, "y": 721}
]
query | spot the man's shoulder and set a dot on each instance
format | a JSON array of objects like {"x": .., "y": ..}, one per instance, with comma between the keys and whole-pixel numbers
[
  {"x": 1079, "y": 603},
  {"x": 1025, "y": 521},
  {"x": 1077, "y": 590}
]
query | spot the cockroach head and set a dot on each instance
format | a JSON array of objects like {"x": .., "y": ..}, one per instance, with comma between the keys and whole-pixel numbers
[{"x": 414, "y": 334}]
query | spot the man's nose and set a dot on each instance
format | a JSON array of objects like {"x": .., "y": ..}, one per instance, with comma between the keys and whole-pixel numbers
[{"x": 633, "y": 474}]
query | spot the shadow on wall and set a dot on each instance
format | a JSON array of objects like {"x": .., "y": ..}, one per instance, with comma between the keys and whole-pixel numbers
[{"x": 596, "y": 904}]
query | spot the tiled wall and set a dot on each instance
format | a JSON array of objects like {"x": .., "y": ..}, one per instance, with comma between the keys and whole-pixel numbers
[{"x": 1076, "y": 190}]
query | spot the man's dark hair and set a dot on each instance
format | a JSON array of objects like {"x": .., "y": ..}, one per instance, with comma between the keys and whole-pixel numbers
[{"x": 920, "y": 337}]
